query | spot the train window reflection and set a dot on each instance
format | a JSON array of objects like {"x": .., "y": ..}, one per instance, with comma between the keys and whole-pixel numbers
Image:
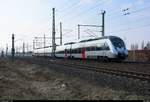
[{"x": 117, "y": 42}]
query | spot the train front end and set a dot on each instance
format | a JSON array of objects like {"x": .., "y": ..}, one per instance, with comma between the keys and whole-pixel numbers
[{"x": 119, "y": 48}]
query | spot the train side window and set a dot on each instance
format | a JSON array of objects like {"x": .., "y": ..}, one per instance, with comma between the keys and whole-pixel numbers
[
  {"x": 106, "y": 47},
  {"x": 88, "y": 49},
  {"x": 70, "y": 50},
  {"x": 61, "y": 52},
  {"x": 80, "y": 50},
  {"x": 65, "y": 51},
  {"x": 76, "y": 51},
  {"x": 73, "y": 51},
  {"x": 98, "y": 48},
  {"x": 93, "y": 48}
]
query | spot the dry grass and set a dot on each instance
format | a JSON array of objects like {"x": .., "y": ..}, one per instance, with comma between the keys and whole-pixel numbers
[{"x": 21, "y": 80}]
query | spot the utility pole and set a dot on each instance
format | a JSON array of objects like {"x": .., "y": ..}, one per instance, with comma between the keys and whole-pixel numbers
[
  {"x": 33, "y": 44},
  {"x": 44, "y": 45},
  {"x": 60, "y": 33},
  {"x": 78, "y": 31},
  {"x": 6, "y": 49},
  {"x": 13, "y": 47},
  {"x": 23, "y": 48},
  {"x": 103, "y": 23},
  {"x": 27, "y": 48},
  {"x": 2, "y": 53},
  {"x": 53, "y": 35}
]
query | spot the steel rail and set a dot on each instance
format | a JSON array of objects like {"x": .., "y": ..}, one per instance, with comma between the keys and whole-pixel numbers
[{"x": 129, "y": 74}]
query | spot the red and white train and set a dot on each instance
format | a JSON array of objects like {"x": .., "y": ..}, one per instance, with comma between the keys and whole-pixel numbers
[{"x": 108, "y": 47}]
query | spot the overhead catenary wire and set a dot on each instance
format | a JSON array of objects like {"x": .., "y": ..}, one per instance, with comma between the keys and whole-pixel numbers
[
  {"x": 70, "y": 7},
  {"x": 85, "y": 11},
  {"x": 132, "y": 28},
  {"x": 130, "y": 12},
  {"x": 134, "y": 21}
]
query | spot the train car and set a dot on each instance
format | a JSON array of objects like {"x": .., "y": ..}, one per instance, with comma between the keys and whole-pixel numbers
[
  {"x": 108, "y": 47},
  {"x": 42, "y": 52}
]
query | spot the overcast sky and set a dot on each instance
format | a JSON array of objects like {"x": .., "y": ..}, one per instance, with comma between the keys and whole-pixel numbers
[{"x": 31, "y": 18}]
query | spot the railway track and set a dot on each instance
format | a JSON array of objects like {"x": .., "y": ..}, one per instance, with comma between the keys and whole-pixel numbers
[
  {"x": 138, "y": 67},
  {"x": 101, "y": 69},
  {"x": 104, "y": 69}
]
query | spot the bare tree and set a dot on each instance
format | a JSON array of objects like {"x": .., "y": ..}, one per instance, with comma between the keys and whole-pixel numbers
[
  {"x": 148, "y": 46},
  {"x": 136, "y": 46},
  {"x": 142, "y": 45}
]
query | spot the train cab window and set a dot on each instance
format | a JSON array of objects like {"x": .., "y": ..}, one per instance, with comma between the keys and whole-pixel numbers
[
  {"x": 107, "y": 48},
  {"x": 117, "y": 42}
]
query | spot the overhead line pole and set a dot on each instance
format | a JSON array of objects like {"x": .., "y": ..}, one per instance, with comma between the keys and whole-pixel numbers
[
  {"x": 6, "y": 50},
  {"x": 78, "y": 31},
  {"x": 13, "y": 47},
  {"x": 33, "y": 44},
  {"x": 44, "y": 45},
  {"x": 103, "y": 23},
  {"x": 60, "y": 33},
  {"x": 53, "y": 35},
  {"x": 23, "y": 49}
]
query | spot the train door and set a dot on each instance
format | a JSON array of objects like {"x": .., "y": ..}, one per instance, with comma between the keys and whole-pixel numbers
[
  {"x": 105, "y": 52},
  {"x": 71, "y": 51},
  {"x": 66, "y": 55},
  {"x": 83, "y": 51},
  {"x": 83, "y": 54}
]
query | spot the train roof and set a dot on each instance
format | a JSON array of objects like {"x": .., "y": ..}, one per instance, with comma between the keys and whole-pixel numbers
[
  {"x": 88, "y": 40},
  {"x": 69, "y": 43},
  {"x": 105, "y": 37}
]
